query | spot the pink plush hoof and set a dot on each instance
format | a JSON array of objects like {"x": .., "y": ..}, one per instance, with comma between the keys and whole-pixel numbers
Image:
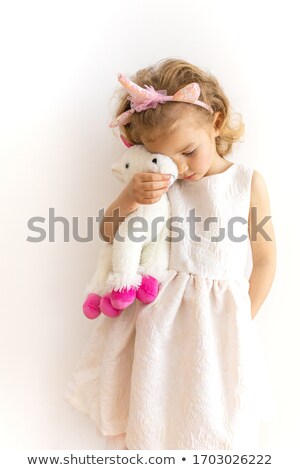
[
  {"x": 91, "y": 306},
  {"x": 148, "y": 290},
  {"x": 122, "y": 298},
  {"x": 107, "y": 308}
]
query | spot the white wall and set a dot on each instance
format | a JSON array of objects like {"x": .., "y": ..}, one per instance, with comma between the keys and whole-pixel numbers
[{"x": 59, "y": 63}]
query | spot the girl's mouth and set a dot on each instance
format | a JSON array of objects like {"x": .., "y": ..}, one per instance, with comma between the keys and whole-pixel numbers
[{"x": 188, "y": 177}]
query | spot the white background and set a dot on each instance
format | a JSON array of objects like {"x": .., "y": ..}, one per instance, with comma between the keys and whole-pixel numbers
[{"x": 59, "y": 65}]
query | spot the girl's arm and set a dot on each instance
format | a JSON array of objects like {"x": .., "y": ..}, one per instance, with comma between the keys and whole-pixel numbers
[
  {"x": 115, "y": 214},
  {"x": 263, "y": 245},
  {"x": 144, "y": 188}
]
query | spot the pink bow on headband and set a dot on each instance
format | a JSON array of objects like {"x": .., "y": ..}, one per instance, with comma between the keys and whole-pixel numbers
[{"x": 145, "y": 98}]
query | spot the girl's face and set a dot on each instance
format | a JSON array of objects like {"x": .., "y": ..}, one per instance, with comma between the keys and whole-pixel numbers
[{"x": 192, "y": 148}]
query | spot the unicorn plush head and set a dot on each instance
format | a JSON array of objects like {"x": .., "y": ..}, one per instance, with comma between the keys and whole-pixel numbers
[{"x": 137, "y": 159}]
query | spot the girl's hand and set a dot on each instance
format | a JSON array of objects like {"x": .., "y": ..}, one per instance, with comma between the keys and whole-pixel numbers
[
  {"x": 144, "y": 188},
  {"x": 147, "y": 188}
]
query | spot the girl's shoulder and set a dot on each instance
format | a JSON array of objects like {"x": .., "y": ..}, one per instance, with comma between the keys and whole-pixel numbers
[
  {"x": 244, "y": 170},
  {"x": 255, "y": 186},
  {"x": 255, "y": 179},
  {"x": 256, "y": 183},
  {"x": 255, "y": 176}
]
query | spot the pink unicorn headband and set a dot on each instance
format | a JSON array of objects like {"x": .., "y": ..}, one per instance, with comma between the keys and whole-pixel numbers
[{"x": 145, "y": 98}]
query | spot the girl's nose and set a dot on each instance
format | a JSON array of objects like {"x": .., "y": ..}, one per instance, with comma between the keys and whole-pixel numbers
[{"x": 181, "y": 165}]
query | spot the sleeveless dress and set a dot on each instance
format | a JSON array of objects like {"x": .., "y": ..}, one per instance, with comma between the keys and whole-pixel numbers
[{"x": 188, "y": 370}]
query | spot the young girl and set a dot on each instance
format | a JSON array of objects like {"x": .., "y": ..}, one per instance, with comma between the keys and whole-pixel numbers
[{"x": 186, "y": 371}]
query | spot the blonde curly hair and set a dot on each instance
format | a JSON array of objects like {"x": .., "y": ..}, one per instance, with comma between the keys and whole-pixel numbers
[{"x": 171, "y": 75}]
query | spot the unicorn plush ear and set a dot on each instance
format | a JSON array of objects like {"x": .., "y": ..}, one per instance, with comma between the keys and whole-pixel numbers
[{"x": 128, "y": 144}]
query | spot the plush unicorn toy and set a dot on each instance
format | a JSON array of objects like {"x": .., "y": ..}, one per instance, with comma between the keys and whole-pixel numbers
[{"x": 132, "y": 266}]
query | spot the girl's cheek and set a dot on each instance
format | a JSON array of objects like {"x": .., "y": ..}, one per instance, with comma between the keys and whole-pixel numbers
[{"x": 204, "y": 161}]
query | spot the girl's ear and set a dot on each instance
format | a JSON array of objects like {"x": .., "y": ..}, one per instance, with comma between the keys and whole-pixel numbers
[
  {"x": 218, "y": 121},
  {"x": 128, "y": 144}
]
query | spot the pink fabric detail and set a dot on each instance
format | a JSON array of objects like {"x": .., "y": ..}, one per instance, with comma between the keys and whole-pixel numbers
[
  {"x": 125, "y": 141},
  {"x": 152, "y": 101}
]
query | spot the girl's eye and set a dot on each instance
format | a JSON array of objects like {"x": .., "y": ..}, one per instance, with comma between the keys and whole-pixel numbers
[{"x": 190, "y": 153}]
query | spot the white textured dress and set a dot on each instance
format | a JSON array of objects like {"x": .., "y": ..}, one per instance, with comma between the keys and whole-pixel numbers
[{"x": 186, "y": 371}]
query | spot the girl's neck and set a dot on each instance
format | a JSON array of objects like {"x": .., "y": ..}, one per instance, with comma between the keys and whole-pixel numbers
[{"x": 219, "y": 164}]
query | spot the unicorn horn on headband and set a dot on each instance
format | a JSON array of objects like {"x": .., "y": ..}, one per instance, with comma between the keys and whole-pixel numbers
[
  {"x": 145, "y": 98},
  {"x": 140, "y": 99}
]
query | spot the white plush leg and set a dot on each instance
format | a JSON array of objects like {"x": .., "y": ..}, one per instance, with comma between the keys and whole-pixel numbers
[
  {"x": 126, "y": 257},
  {"x": 155, "y": 256},
  {"x": 103, "y": 268}
]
